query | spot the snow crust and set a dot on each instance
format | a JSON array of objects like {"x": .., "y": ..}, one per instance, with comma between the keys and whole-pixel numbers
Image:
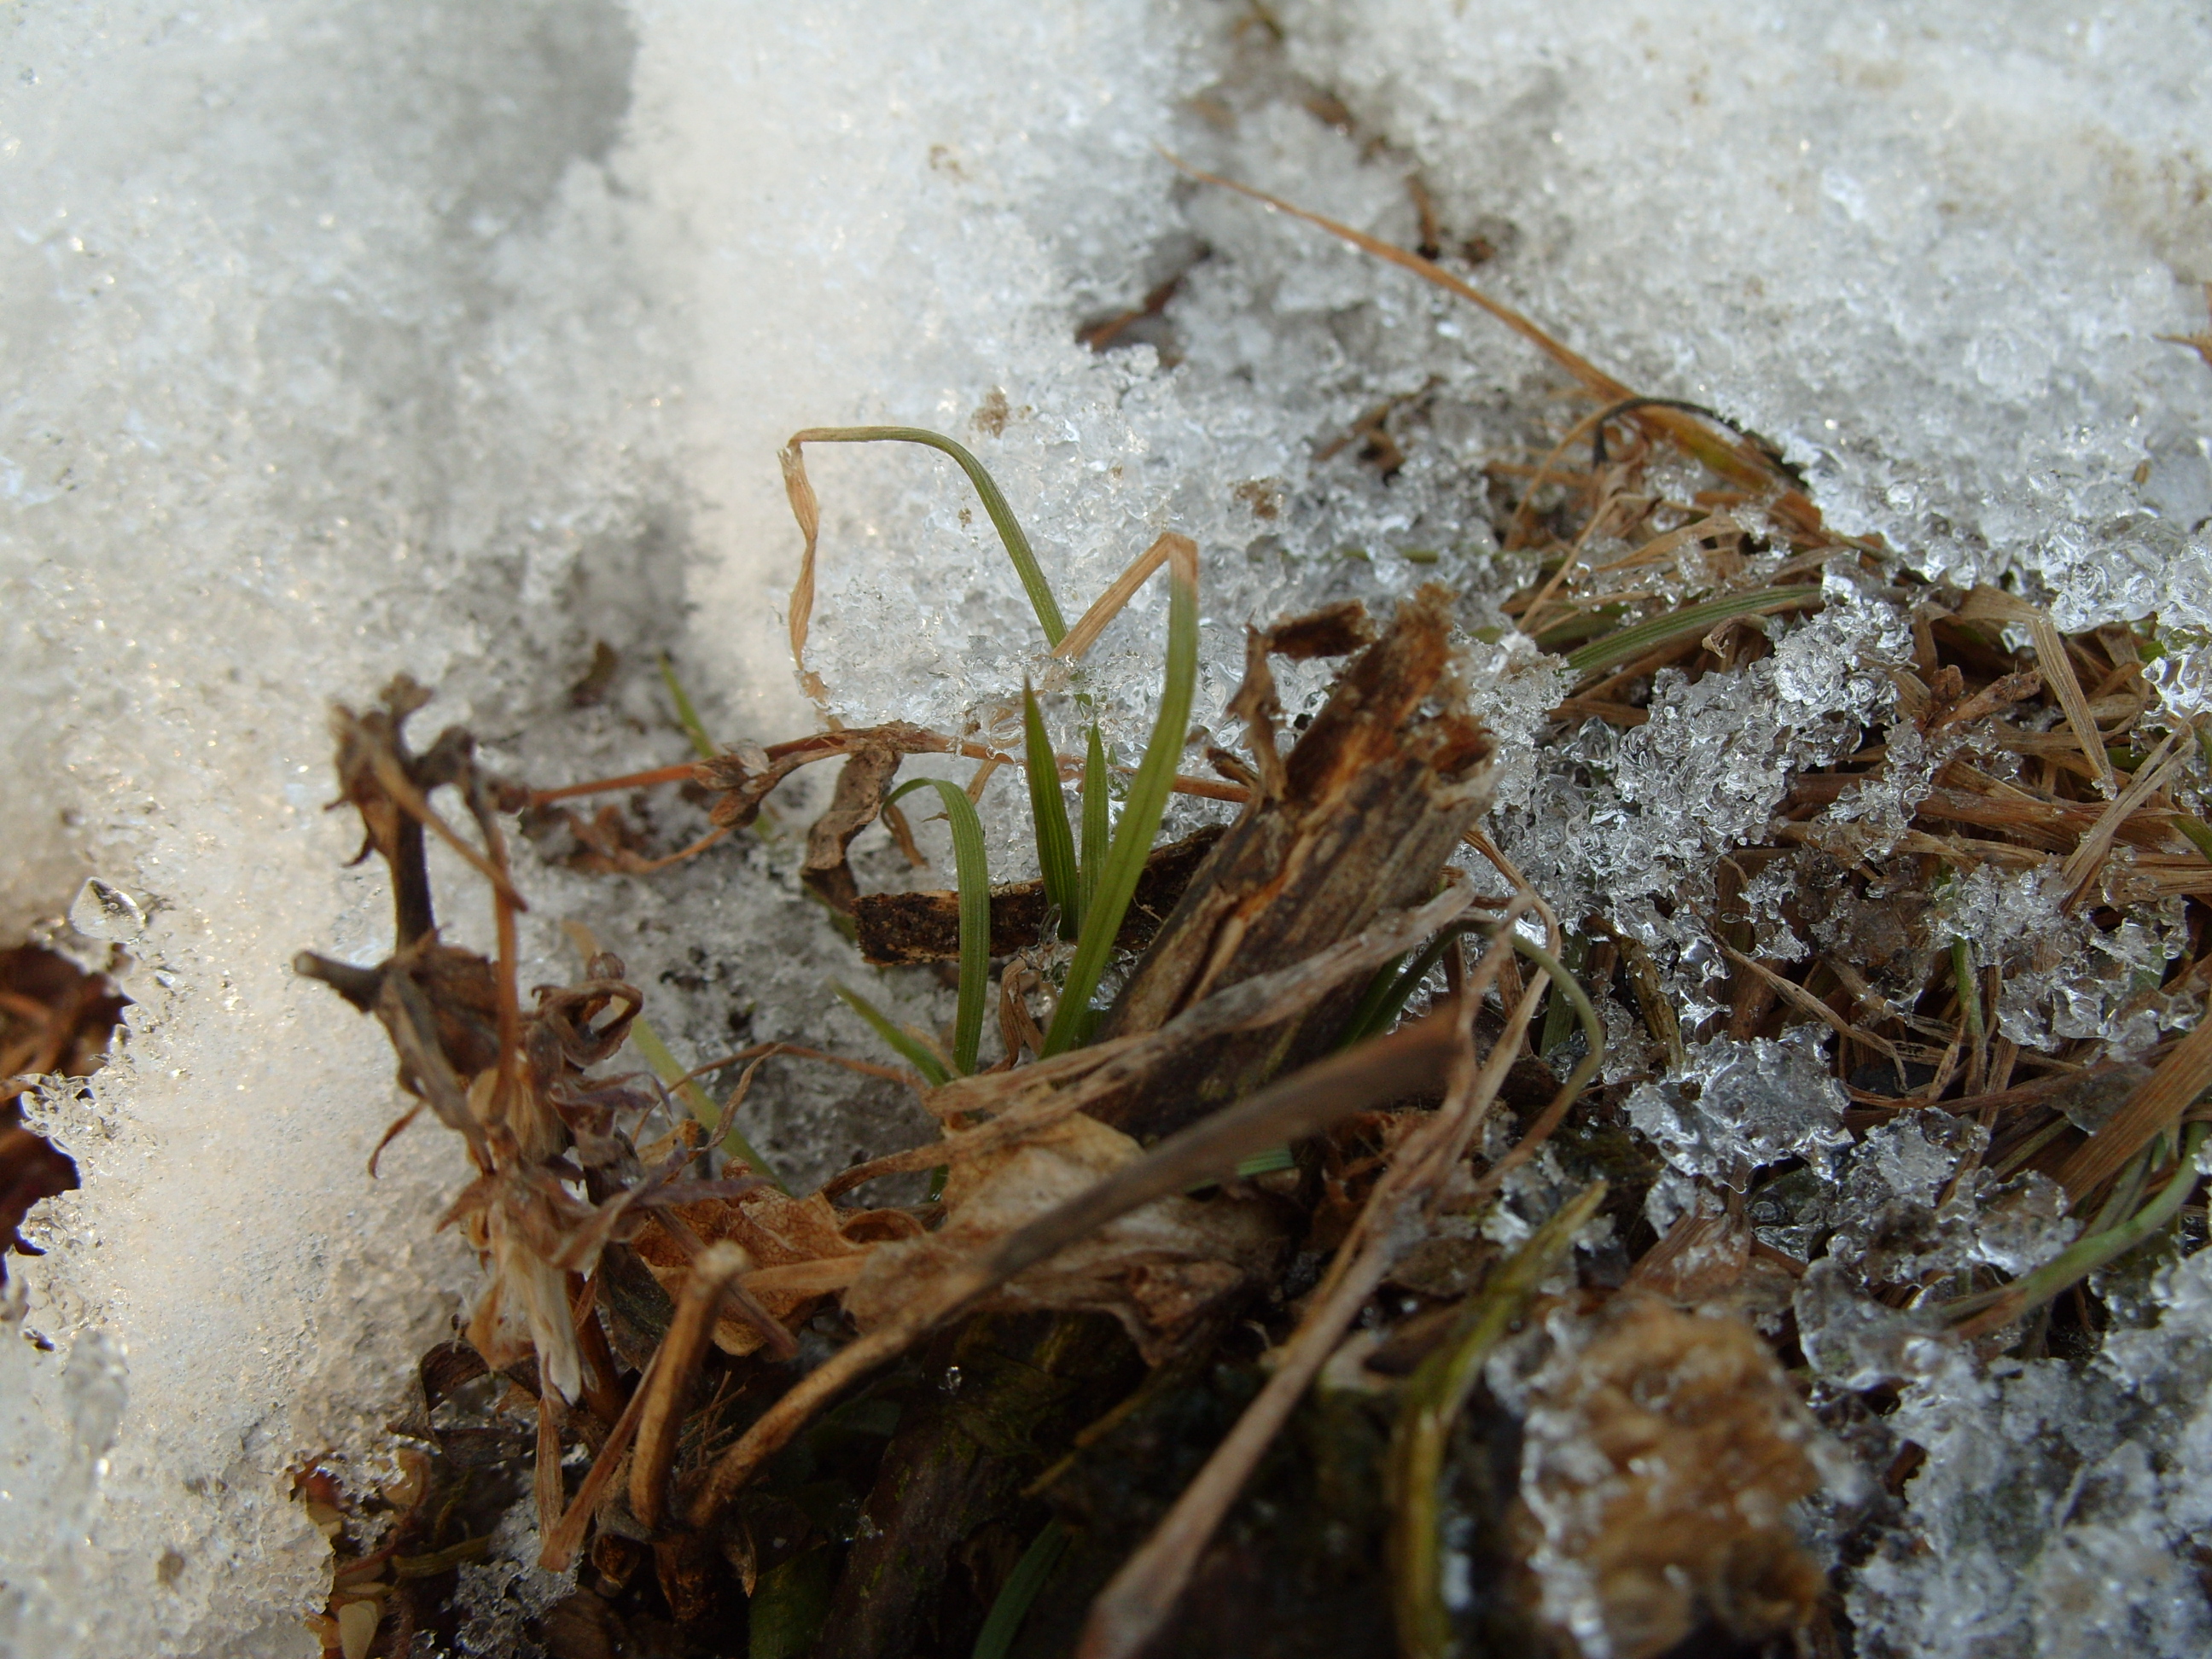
[{"x": 449, "y": 337}]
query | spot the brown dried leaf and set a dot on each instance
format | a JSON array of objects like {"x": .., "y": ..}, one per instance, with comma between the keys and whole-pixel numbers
[
  {"x": 781, "y": 1234},
  {"x": 859, "y": 800},
  {"x": 1155, "y": 1269}
]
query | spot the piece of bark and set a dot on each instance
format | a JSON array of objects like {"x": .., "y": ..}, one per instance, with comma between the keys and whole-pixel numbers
[
  {"x": 900, "y": 929},
  {"x": 1359, "y": 818}
]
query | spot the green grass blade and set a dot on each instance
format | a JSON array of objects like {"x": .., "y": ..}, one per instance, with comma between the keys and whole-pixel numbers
[
  {"x": 973, "y": 870},
  {"x": 1004, "y": 1622},
  {"x": 1970, "y": 993},
  {"x": 1260, "y": 1163},
  {"x": 994, "y": 504},
  {"x": 1585, "y": 1012},
  {"x": 1559, "y": 1012},
  {"x": 1056, "y": 841},
  {"x": 902, "y": 1043},
  {"x": 1633, "y": 642},
  {"x": 1386, "y": 992},
  {"x": 1363, "y": 1012},
  {"x": 2031, "y": 1289},
  {"x": 1429, "y": 1407},
  {"x": 1095, "y": 825},
  {"x": 1141, "y": 815},
  {"x": 687, "y": 716},
  {"x": 647, "y": 1043}
]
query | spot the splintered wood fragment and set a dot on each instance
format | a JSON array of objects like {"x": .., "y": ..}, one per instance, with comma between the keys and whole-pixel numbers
[
  {"x": 899, "y": 929},
  {"x": 1357, "y": 820}
]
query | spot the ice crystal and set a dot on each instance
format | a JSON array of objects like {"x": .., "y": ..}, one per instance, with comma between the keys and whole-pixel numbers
[
  {"x": 1739, "y": 1107},
  {"x": 2058, "y": 1511},
  {"x": 2064, "y": 975}
]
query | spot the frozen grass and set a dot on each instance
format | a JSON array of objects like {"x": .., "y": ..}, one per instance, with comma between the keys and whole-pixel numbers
[{"x": 455, "y": 338}]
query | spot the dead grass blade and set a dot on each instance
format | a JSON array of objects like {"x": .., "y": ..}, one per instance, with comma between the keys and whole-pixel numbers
[
  {"x": 1263, "y": 1000},
  {"x": 2154, "y": 1109},
  {"x": 1555, "y": 1113},
  {"x": 1131, "y": 1607},
  {"x": 393, "y": 777},
  {"x": 565, "y": 1540},
  {"x": 1738, "y": 460},
  {"x": 2081, "y": 870},
  {"x": 1803, "y": 1000},
  {"x": 806, "y": 508},
  {"x": 1109, "y": 605},
  {"x": 1592, "y": 378},
  {"x": 681, "y": 1351},
  {"x": 1987, "y": 604}
]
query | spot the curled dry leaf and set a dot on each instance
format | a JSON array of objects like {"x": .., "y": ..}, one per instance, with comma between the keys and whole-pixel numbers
[
  {"x": 856, "y": 804},
  {"x": 1155, "y": 1269},
  {"x": 802, "y": 1249},
  {"x": 523, "y": 1106}
]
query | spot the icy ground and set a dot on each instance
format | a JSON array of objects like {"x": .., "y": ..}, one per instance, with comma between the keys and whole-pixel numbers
[{"x": 428, "y": 334}]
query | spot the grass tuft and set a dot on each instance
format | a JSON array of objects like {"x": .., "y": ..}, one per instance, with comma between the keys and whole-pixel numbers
[{"x": 1140, "y": 817}]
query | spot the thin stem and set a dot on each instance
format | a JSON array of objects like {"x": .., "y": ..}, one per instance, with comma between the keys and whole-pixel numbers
[{"x": 1430, "y": 1406}]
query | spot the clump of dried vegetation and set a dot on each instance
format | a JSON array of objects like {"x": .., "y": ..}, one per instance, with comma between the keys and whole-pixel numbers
[
  {"x": 55, "y": 1021},
  {"x": 1186, "y": 1351}
]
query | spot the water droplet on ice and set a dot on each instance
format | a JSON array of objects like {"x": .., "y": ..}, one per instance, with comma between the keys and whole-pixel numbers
[{"x": 100, "y": 911}]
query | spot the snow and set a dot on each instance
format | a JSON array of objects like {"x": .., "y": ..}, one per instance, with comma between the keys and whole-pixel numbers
[{"x": 426, "y": 335}]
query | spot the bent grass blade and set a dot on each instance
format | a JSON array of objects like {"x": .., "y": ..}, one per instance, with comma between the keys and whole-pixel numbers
[
  {"x": 647, "y": 1043},
  {"x": 915, "y": 1053},
  {"x": 805, "y": 508}
]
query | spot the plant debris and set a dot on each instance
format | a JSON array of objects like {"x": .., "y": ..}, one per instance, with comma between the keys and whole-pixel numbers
[
  {"x": 56, "y": 1020},
  {"x": 1400, "y": 1254}
]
